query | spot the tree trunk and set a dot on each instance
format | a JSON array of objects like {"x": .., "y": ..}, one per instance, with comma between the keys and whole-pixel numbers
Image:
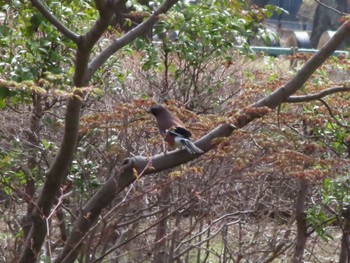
[
  {"x": 160, "y": 241},
  {"x": 301, "y": 223},
  {"x": 33, "y": 139},
  {"x": 174, "y": 238},
  {"x": 344, "y": 256}
]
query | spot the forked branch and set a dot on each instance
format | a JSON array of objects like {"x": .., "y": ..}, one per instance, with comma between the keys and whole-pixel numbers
[{"x": 117, "y": 44}]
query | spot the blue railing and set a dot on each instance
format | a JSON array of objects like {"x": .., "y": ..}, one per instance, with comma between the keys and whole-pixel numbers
[{"x": 276, "y": 51}]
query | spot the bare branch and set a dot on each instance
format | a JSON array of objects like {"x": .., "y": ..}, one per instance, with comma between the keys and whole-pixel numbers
[
  {"x": 212, "y": 223},
  {"x": 331, "y": 8},
  {"x": 161, "y": 162},
  {"x": 49, "y": 16},
  {"x": 332, "y": 115},
  {"x": 316, "y": 96},
  {"x": 117, "y": 44}
]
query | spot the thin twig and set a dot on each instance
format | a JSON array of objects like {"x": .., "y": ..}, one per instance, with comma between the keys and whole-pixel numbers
[
  {"x": 317, "y": 96},
  {"x": 330, "y": 8},
  {"x": 140, "y": 233},
  {"x": 105, "y": 216},
  {"x": 332, "y": 115},
  {"x": 59, "y": 202}
]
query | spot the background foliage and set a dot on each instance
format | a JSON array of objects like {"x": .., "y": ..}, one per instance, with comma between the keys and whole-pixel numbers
[{"x": 236, "y": 202}]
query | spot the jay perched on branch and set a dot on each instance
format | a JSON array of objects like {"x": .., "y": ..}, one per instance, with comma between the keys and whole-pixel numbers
[{"x": 173, "y": 131}]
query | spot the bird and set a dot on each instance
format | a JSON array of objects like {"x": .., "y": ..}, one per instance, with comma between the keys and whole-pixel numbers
[{"x": 172, "y": 130}]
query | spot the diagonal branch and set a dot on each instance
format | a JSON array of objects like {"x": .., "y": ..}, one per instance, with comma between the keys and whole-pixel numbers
[
  {"x": 331, "y": 8},
  {"x": 117, "y": 44},
  {"x": 49, "y": 16},
  {"x": 106, "y": 9},
  {"x": 281, "y": 94},
  {"x": 130, "y": 170},
  {"x": 317, "y": 96}
]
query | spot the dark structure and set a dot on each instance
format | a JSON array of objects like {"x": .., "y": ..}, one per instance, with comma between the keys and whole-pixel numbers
[
  {"x": 126, "y": 18},
  {"x": 326, "y": 19}
]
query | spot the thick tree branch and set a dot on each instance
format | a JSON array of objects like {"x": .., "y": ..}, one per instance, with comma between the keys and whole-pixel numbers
[
  {"x": 50, "y": 17},
  {"x": 106, "y": 9},
  {"x": 117, "y": 44},
  {"x": 87, "y": 42},
  {"x": 54, "y": 178},
  {"x": 58, "y": 171},
  {"x": 281, "y": 94},
  {"x": 316, "y": 96}
]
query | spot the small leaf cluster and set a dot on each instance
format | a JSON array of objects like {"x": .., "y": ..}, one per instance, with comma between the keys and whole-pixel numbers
[{"x": 333, "y": 208}]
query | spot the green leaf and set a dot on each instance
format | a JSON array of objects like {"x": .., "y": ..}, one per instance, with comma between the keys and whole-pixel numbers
[
  {"x": 46, "y": 144},
  {"x": 2, "y": 103},
  {"x": 4, "y": 30},
  {"x": 4, "y": 93},
  {"x": 35, "y": 21}
]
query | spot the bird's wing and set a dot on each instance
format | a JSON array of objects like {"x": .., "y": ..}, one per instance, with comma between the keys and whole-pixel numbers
[
  {"x": 183, "y": 132},
  {"x": 189, "y": 146}
]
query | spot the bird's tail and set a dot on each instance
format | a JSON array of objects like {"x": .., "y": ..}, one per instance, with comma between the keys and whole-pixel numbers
[{"x": 190, "y": 147}]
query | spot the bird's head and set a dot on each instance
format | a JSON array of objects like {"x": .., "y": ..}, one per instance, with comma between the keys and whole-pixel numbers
[{"x": 157, "y": 109}]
